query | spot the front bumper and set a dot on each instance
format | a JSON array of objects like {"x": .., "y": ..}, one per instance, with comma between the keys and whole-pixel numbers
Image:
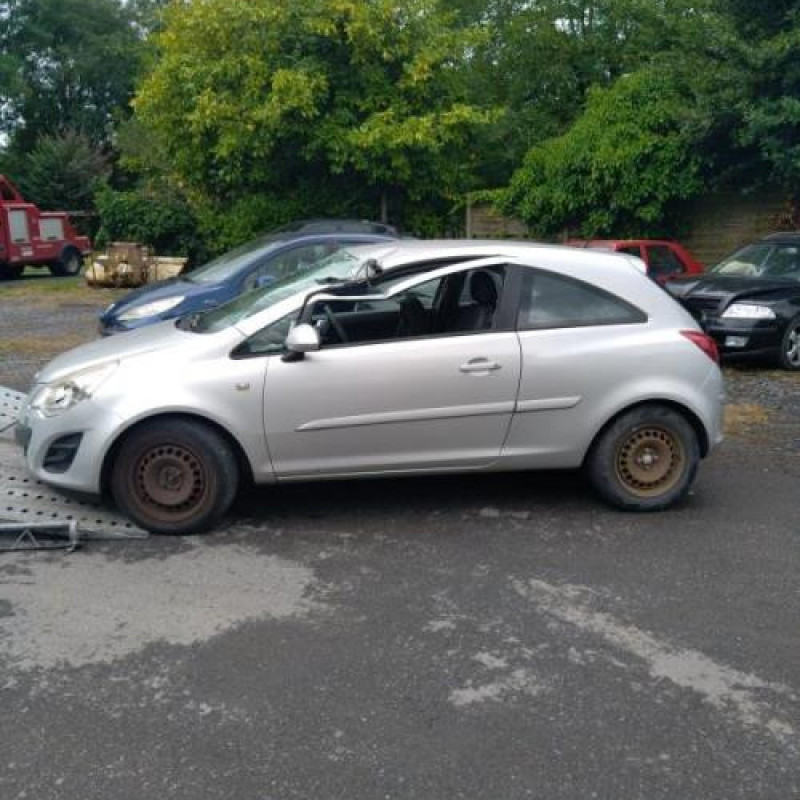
[
  {"x": 86, "y": 431},
  {"x": 737, "y": 337}
]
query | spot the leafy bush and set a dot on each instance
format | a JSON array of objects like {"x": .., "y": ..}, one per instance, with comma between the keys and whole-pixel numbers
[{"x": 154, "y": 215}]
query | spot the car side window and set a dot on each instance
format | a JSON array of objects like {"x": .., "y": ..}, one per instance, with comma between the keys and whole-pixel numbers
[
  {"x": 288, "y": 263},
  {"x": 556, "y": 301},
  {"x": 455, "y": 304},
  {"x": 662, "y": 261}
]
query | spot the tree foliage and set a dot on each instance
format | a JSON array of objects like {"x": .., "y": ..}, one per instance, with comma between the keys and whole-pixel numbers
[
  {"x": 620, "y": 168},
  {"x": 768, "y": 55},
  {"x": 66, "y": 65},
  {"x": 345, "y": 98},
  {"x": 541, "y": 58},
  {"x": 62, "y": 172},
  {"x": 607, "y": 113}
]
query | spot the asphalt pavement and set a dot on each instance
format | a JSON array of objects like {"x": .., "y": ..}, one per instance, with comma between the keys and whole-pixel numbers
[
  {"x": 502, "y": 636},
  {"x": 488, "y": 638}
]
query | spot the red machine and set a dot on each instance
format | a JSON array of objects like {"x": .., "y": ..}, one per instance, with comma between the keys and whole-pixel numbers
[{"x": 30, "y": 237}]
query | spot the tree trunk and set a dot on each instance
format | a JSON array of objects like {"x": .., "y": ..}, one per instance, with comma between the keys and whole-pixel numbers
[{"x": 384, "y": 207}]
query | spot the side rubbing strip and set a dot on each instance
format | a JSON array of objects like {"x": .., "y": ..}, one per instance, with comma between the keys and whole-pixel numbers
[
  {"x": 415, "y": 415},
  {"x": 547, "y": 404}
]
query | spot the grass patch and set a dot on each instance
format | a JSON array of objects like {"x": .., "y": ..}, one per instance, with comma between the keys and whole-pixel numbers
[
  {"x": 33, "y": 347},
  {"x": 741, "y": 418},
  {"x": 54, "y": 292}
]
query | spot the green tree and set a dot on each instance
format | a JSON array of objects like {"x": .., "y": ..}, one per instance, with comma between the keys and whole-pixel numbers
[
  {"x": 65, "y": 64},
  {"x": 347, "y": 100},
  {"x": 541, "y": 57},
  {"x": 62, "y": 172},
  {"x": 767, "y": 54},
  {"x": 622, "y": 168}
]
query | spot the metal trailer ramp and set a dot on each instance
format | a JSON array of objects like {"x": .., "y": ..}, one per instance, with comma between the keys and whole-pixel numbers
[
  {"x": 10, "y": 404},
  {"x": 24, "y": 499}
]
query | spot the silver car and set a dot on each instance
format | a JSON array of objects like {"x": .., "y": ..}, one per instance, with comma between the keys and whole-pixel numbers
[{"x": 401, "y": 359}]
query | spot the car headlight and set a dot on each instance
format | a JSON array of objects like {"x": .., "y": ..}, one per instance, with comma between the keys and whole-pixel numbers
[
  {"x": 748, "y": 311},
  {"x": 54, "y": 399},
  {"x": 150, "y": 309}
]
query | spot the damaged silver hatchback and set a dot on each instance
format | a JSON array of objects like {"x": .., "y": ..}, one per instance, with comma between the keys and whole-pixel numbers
[{"x": 399, "y": 359}]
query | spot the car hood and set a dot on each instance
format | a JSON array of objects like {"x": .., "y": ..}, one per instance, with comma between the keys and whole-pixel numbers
[
  {"x": 161, "y": 336},
  {"x": 731, "y": 287},
  {"x": 161, "y": 290}
]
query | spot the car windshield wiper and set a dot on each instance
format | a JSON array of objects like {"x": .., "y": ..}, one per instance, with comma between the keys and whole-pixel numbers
[{"x": 328, "y": 280}]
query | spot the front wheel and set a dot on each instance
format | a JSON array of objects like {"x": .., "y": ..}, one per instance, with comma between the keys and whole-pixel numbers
[
  {"x": 174, "y": 477},
  {"x": 790, "y": 346},
  {"x": 646, "y": 460}
]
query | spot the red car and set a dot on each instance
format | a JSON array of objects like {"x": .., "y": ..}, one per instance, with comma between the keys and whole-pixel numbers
[{"x": 665, "y": 259}]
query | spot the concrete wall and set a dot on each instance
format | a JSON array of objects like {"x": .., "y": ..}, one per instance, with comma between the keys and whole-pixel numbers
[
  {"x": 720, "y": 222},
  {"x": 482, "y": 222}
]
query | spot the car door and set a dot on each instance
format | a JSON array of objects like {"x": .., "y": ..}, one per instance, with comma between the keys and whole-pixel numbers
[
  {"x": 578, "y": 349},
  {"x": 399, "y": 399}
]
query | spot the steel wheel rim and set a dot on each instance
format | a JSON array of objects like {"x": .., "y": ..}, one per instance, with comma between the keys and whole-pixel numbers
[
  {"x": 170, "y": 482},
  {"x": 792, "y": 352},
  {"x": 73, "y": 264},
  {"x": 650, "y": 461}
]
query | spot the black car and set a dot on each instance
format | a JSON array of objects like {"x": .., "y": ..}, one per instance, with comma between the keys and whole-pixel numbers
[{"x": 750, "y": 302}]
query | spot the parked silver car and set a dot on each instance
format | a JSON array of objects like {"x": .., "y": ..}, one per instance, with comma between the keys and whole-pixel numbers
[{"x": 400, "y": 359}]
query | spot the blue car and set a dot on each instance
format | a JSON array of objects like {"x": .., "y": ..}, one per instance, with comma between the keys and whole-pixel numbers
[{"x": 256, "y": 264}]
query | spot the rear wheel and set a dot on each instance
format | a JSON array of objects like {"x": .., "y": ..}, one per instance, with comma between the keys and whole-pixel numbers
[
  {"x": 69, "y": 264},
  {"x": 11, "y": 271},
  {"x": 790, "y": 346},
  {"x": 175, "y": 477},
  {"x": 646, "y": 460}
]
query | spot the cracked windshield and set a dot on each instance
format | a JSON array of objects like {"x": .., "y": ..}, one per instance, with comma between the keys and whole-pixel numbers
[{"x": 335, "y": 268}]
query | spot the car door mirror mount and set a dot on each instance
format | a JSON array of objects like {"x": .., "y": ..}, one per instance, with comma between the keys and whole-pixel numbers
[{"x": 302, "y": 339}]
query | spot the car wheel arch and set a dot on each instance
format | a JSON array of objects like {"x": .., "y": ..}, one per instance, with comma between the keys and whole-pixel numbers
[
  {"x": 243, "y": 462},
  {"x": 691, "y": 417}
]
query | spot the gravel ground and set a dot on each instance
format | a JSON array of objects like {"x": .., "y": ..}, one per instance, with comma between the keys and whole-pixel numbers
[{"x": 39, "y": 319}]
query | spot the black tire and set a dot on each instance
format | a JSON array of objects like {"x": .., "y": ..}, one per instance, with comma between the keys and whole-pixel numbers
[
  {"x": 789, "y": 357},
  {"x": 174, "y": 477},
  {"x": 646, "y": 460},
  {"x": 10, "y": 272},
  {"x": 68, "y": 265}
]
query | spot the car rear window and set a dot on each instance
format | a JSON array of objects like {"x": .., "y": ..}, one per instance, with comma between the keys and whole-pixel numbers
[{"x": 555, "y": 301}]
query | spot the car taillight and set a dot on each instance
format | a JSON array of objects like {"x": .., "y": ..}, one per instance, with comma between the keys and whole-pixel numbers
[{"x": 704, "y": 342}]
